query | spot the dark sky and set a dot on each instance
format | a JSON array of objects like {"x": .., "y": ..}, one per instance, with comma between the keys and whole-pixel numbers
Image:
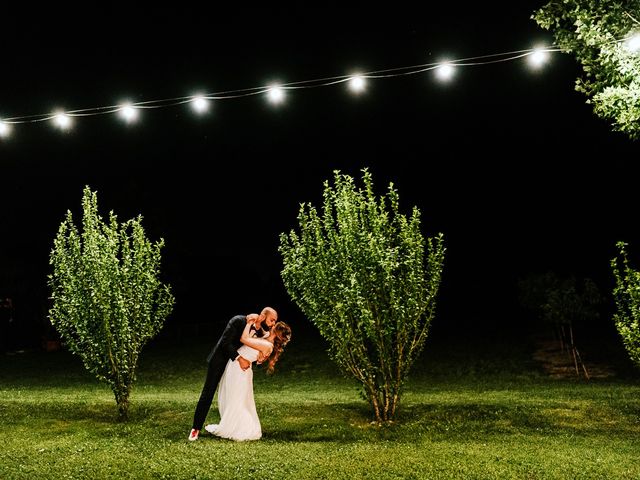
[{"x": 511, "y": 165}]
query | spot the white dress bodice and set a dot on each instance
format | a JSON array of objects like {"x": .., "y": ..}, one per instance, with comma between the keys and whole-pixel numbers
[{"x": 249, "y": 353}]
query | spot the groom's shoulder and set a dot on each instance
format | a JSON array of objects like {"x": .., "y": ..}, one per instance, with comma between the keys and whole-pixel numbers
[{"x": 238, "y": 319}]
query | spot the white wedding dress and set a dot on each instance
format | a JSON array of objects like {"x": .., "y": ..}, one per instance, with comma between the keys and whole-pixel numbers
[{"x": 238, "y": 417}]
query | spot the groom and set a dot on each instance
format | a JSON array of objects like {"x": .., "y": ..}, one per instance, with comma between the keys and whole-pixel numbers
[{"x": 226, "y": 349}]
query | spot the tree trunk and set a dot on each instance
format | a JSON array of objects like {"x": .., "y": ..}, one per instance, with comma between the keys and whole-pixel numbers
[
  {"x": 389, "y": 405},
  {"x": 122, "y": 399}
]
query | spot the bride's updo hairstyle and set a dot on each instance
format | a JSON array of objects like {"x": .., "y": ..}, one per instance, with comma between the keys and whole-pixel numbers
[{"x": 281, "y": 336}]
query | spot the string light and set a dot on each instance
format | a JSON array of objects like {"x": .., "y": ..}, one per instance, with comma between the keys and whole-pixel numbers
[
  {"x": 275, "y": 93},
  {"x": 536, "y": 58},
  {"x": 633, "y": 44},
  {"x": 62, "y": 121},
  {"x": 200, "y": 104},
  {"x": 128, "y": 113},
  {"x": 5, "y": 129},
  {"x": 444, "y": 71},
  {"x": 357, "y": 83}
]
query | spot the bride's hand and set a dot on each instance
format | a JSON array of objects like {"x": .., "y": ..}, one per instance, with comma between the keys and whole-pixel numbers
[{"x": 252, "y": 317}]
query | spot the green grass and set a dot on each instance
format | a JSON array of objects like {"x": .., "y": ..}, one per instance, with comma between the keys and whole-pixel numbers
[{"x": 470, "y": 410}]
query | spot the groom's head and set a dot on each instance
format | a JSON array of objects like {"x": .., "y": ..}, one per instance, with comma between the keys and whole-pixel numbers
[{"x": 268, "y": 318}]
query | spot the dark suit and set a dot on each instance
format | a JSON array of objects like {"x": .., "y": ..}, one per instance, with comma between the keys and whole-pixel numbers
[{"x": 226, "y": 349}]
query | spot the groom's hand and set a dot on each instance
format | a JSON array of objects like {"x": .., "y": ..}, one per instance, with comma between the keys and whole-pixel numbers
[
  {"x": 262, "y": 357},
  {"x": 244, "y": 363}
]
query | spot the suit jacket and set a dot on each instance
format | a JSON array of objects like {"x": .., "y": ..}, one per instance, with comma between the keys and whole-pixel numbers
[{"x": 229, "y": 342}]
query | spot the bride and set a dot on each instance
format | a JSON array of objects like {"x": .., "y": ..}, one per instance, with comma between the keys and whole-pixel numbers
[{"x": 238, "y": 417}]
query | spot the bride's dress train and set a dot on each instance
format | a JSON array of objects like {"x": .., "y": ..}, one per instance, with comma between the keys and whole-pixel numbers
[{"x": 238, "y": 416}]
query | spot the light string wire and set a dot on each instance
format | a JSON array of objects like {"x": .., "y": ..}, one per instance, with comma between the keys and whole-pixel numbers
[
  {"x": 303, "y": 84},
  {"x": 246, "y": 92}
]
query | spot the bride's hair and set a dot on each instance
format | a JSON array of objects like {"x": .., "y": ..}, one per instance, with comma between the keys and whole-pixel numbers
[{"x": 281, "y": 336}]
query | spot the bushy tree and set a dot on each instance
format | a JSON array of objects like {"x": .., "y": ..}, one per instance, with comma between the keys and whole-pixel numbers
[
  {"x": 107, "y": 298},
  {"x": 358, "y": 271},
  {"x": 627, "y": 297},
  {"x": 598, "y": 33},
  {"x": 562, "y": 303}
]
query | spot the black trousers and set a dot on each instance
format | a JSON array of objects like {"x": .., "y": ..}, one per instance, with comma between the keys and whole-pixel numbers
[{"x": 214, "y": 374}]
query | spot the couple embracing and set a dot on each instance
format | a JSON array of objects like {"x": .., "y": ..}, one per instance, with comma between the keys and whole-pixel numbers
[{"x": 247, "y": 339}]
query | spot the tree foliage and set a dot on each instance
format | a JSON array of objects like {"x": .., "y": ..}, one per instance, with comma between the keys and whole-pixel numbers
[
  {"x": 107, "y": 298},
  {"x": 560, "y": 301},
  {"x": 563, "y": 303},
  {"x": 358, "y": 271},
  {"x": 627, "y": 297},
  {"x": 597, "y": 33}
]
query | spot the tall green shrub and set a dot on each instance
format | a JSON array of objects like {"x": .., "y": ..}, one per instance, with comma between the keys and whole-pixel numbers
[
  {"x": 107, "y": 298},
  {"x": 627, "y": 297},
  {"x": 358, "y": 271}
]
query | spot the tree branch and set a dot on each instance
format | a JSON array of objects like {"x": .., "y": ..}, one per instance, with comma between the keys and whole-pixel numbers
[{"x": 632, "y": 17}]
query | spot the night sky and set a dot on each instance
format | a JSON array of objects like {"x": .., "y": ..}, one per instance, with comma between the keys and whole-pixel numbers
[{"x": 511, "y": 165}]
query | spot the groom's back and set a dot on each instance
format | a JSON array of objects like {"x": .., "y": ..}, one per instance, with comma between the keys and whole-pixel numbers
[{"x": 229, "y": 340}]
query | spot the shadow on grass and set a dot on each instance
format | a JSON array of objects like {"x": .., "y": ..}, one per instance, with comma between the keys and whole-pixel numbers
[
  {"x": 550, "y": 419},
  {"x": 339, "y": 422},
  {"x": 352, "y": 422},
  {"x": 100, "y": 412}
]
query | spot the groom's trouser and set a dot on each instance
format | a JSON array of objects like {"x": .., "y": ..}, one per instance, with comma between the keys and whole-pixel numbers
[{"x": 214, "y": 373}]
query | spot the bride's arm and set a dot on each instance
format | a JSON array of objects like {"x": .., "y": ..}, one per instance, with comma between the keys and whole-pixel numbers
[{"x": 260, "y": 344}]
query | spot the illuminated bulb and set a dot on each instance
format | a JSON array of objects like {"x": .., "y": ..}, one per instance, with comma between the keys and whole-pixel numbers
[
  {"x": 275, "y": 94},
  {"x": 633, "y": 44},
  {"x": 5, "y": 129},
  {"x": 444, "y": 72},
  {"x": 538, "y": 57},
  {"x": 200, "y": 104},
  {"x": 128, "y": 113},
  {"x": 357, "y": 84},
  {"x": 62, "y": 121}
]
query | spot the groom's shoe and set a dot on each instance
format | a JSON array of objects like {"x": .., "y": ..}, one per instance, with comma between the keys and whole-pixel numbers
[{"x": 193, "y": 435}]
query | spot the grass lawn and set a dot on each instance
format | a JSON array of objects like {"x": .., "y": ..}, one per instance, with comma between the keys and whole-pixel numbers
[{"x": 472, "y": 409}]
